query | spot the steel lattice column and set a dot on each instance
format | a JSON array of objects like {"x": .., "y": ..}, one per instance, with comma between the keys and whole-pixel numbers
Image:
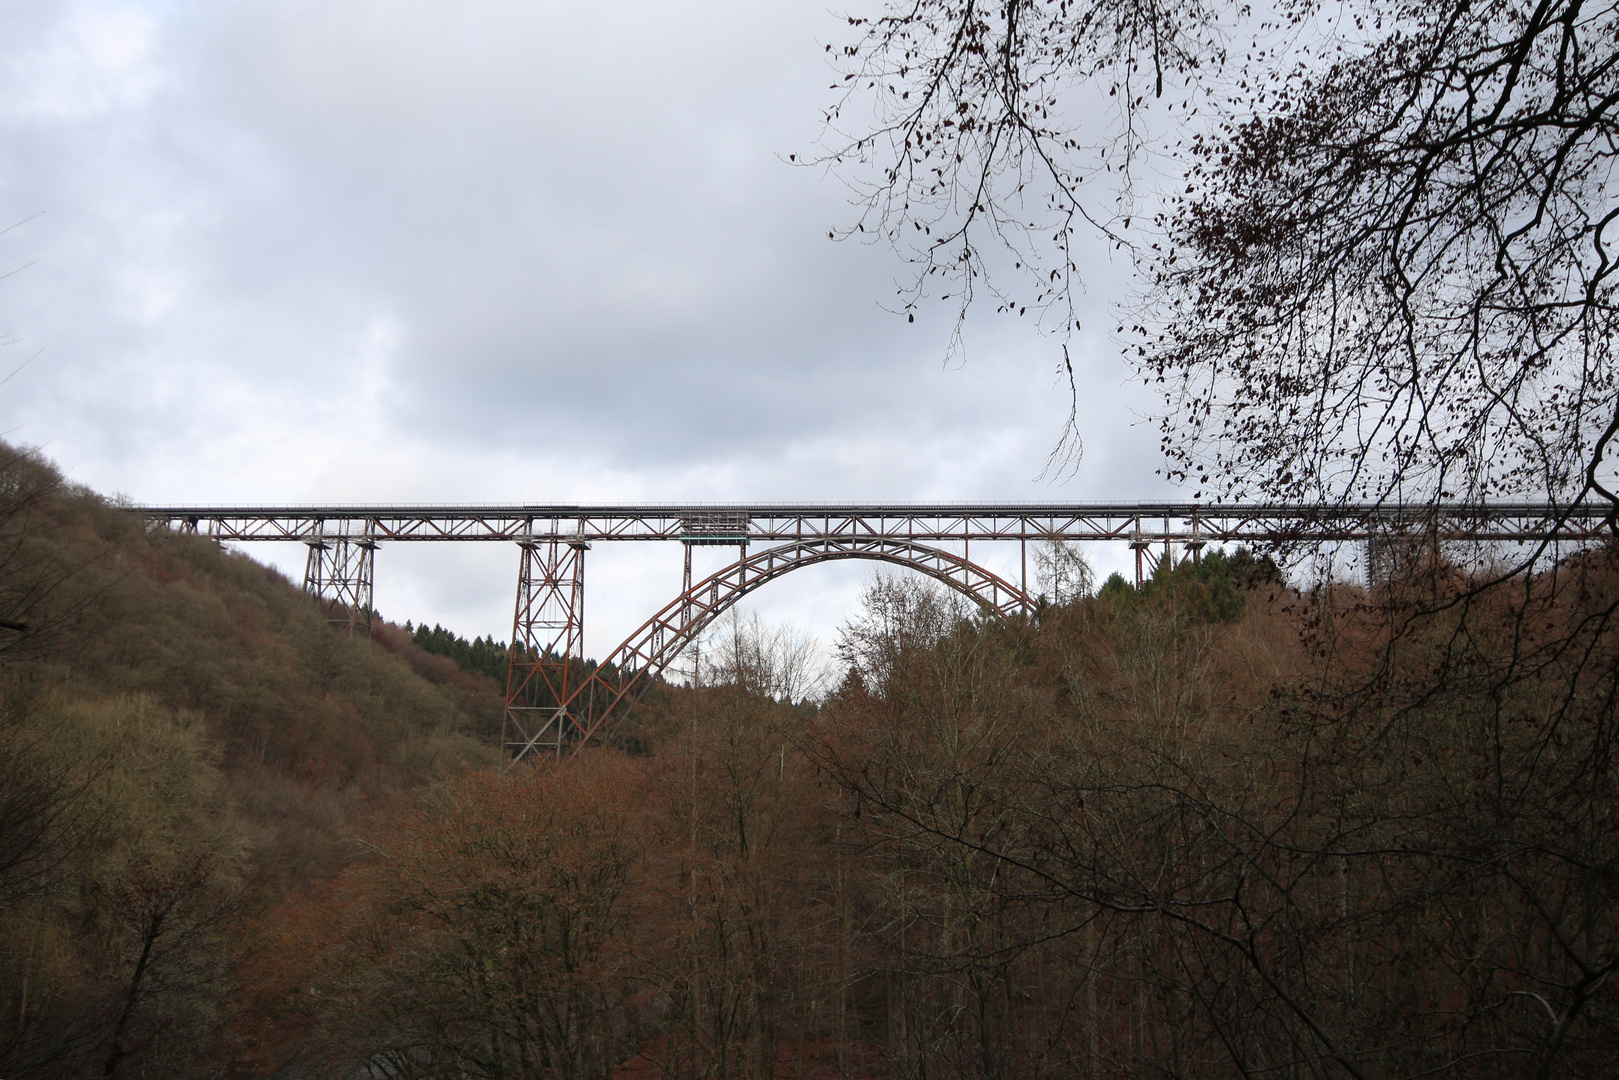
[
  {"x": 1146, "y": 561},
  {"x": 547, "y": 654},
  {"x": 694, "y": 652},
  {"x": 338, "y": 575}
]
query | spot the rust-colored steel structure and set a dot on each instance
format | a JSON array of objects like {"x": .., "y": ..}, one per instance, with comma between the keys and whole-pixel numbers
[
  {"x": 630, "y": 669},
  {"x": 553, "y": 704},
  {"x": 548, "y": 635},
  {"x": 338, "y": 576}
]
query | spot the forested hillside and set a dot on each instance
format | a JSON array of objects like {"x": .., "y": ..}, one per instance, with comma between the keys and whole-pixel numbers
[
  {"x": 485, "y": 657},
  {"x": 1213, "y": 827},
  {"x": 185, "y": 740}
]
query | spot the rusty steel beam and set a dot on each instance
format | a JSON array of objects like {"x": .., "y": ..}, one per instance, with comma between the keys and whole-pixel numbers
[
  {"x": 629, "y": 670},
  {"x": 548, "y": 630},
  {"x": 338, "y": 576},
  {"x": 553, "y": 702},
  {"x": 769, "y": 523}
]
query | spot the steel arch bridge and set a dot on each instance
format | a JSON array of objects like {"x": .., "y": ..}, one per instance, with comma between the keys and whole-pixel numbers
[
  {"x": 552, "y": 703},
  {"x": 582, "y": 711}
]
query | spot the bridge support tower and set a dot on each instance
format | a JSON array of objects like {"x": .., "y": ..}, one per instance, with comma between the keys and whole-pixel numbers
[
  {"x": 714, "y": 528},
  {"x": 338, "y": 575},
  {"x": 547, "y": 650},
  {"x": 1146, "y": 560}
]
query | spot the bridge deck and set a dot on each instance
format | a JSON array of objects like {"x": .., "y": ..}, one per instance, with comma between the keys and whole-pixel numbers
[
  {"x": 720, "y": 523},
  {"x": 542, "y": 710}
]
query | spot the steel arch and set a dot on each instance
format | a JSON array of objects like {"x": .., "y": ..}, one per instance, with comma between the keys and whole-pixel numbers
[{"x": 660, "y": 639}]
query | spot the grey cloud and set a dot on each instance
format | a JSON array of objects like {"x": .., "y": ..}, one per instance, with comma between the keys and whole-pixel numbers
[{"x": 394, "y": 249}]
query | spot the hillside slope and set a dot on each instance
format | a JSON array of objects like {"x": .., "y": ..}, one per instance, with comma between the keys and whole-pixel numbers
[{"x": 184, "y": 739}]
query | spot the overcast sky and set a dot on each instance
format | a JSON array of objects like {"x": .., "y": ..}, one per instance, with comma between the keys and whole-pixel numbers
[{"x": 492, "y": 250}]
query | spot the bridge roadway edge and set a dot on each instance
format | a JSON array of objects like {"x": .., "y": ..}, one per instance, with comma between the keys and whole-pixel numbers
[{"x": 1237, "y": 522}]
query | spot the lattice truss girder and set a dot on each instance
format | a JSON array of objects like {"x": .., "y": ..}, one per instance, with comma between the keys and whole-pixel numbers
[
  {"x": 659, "y": 641},
  {"x": 545, "y": 706},
  {"x": 774, "y": 523},
  {"x": 548, "y": 631},
  {"x": 338, "y": 575}
]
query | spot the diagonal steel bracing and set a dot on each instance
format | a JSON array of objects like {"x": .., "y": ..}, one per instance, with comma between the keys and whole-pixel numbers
[
  {"x": 338, "y": 576},
  {"x": 614, "y": 687},
  {"x": 547, "y": 648},
  {"x": 553, "y": 703},
  {"x": 758, "y": 523}
]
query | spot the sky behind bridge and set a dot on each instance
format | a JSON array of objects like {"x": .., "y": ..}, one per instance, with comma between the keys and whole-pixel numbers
[{"x": 273, "y": 251}]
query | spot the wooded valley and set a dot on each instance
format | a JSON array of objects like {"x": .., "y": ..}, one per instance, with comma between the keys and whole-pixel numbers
[{"x": 1216, "y": 827}]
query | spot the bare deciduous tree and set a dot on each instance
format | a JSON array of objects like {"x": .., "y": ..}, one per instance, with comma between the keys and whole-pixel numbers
[
  {"x": 777, "y": 661},
  {"x": 1062, "y": 570},
  {"x": 1380, "y": 261},
  {"x": 900, "y": 616}
]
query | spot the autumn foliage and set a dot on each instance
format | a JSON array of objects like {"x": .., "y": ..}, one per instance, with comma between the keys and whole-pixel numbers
[
  {"x": 1217, "y": 826},
  {"x": 182, "y": 741}
]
